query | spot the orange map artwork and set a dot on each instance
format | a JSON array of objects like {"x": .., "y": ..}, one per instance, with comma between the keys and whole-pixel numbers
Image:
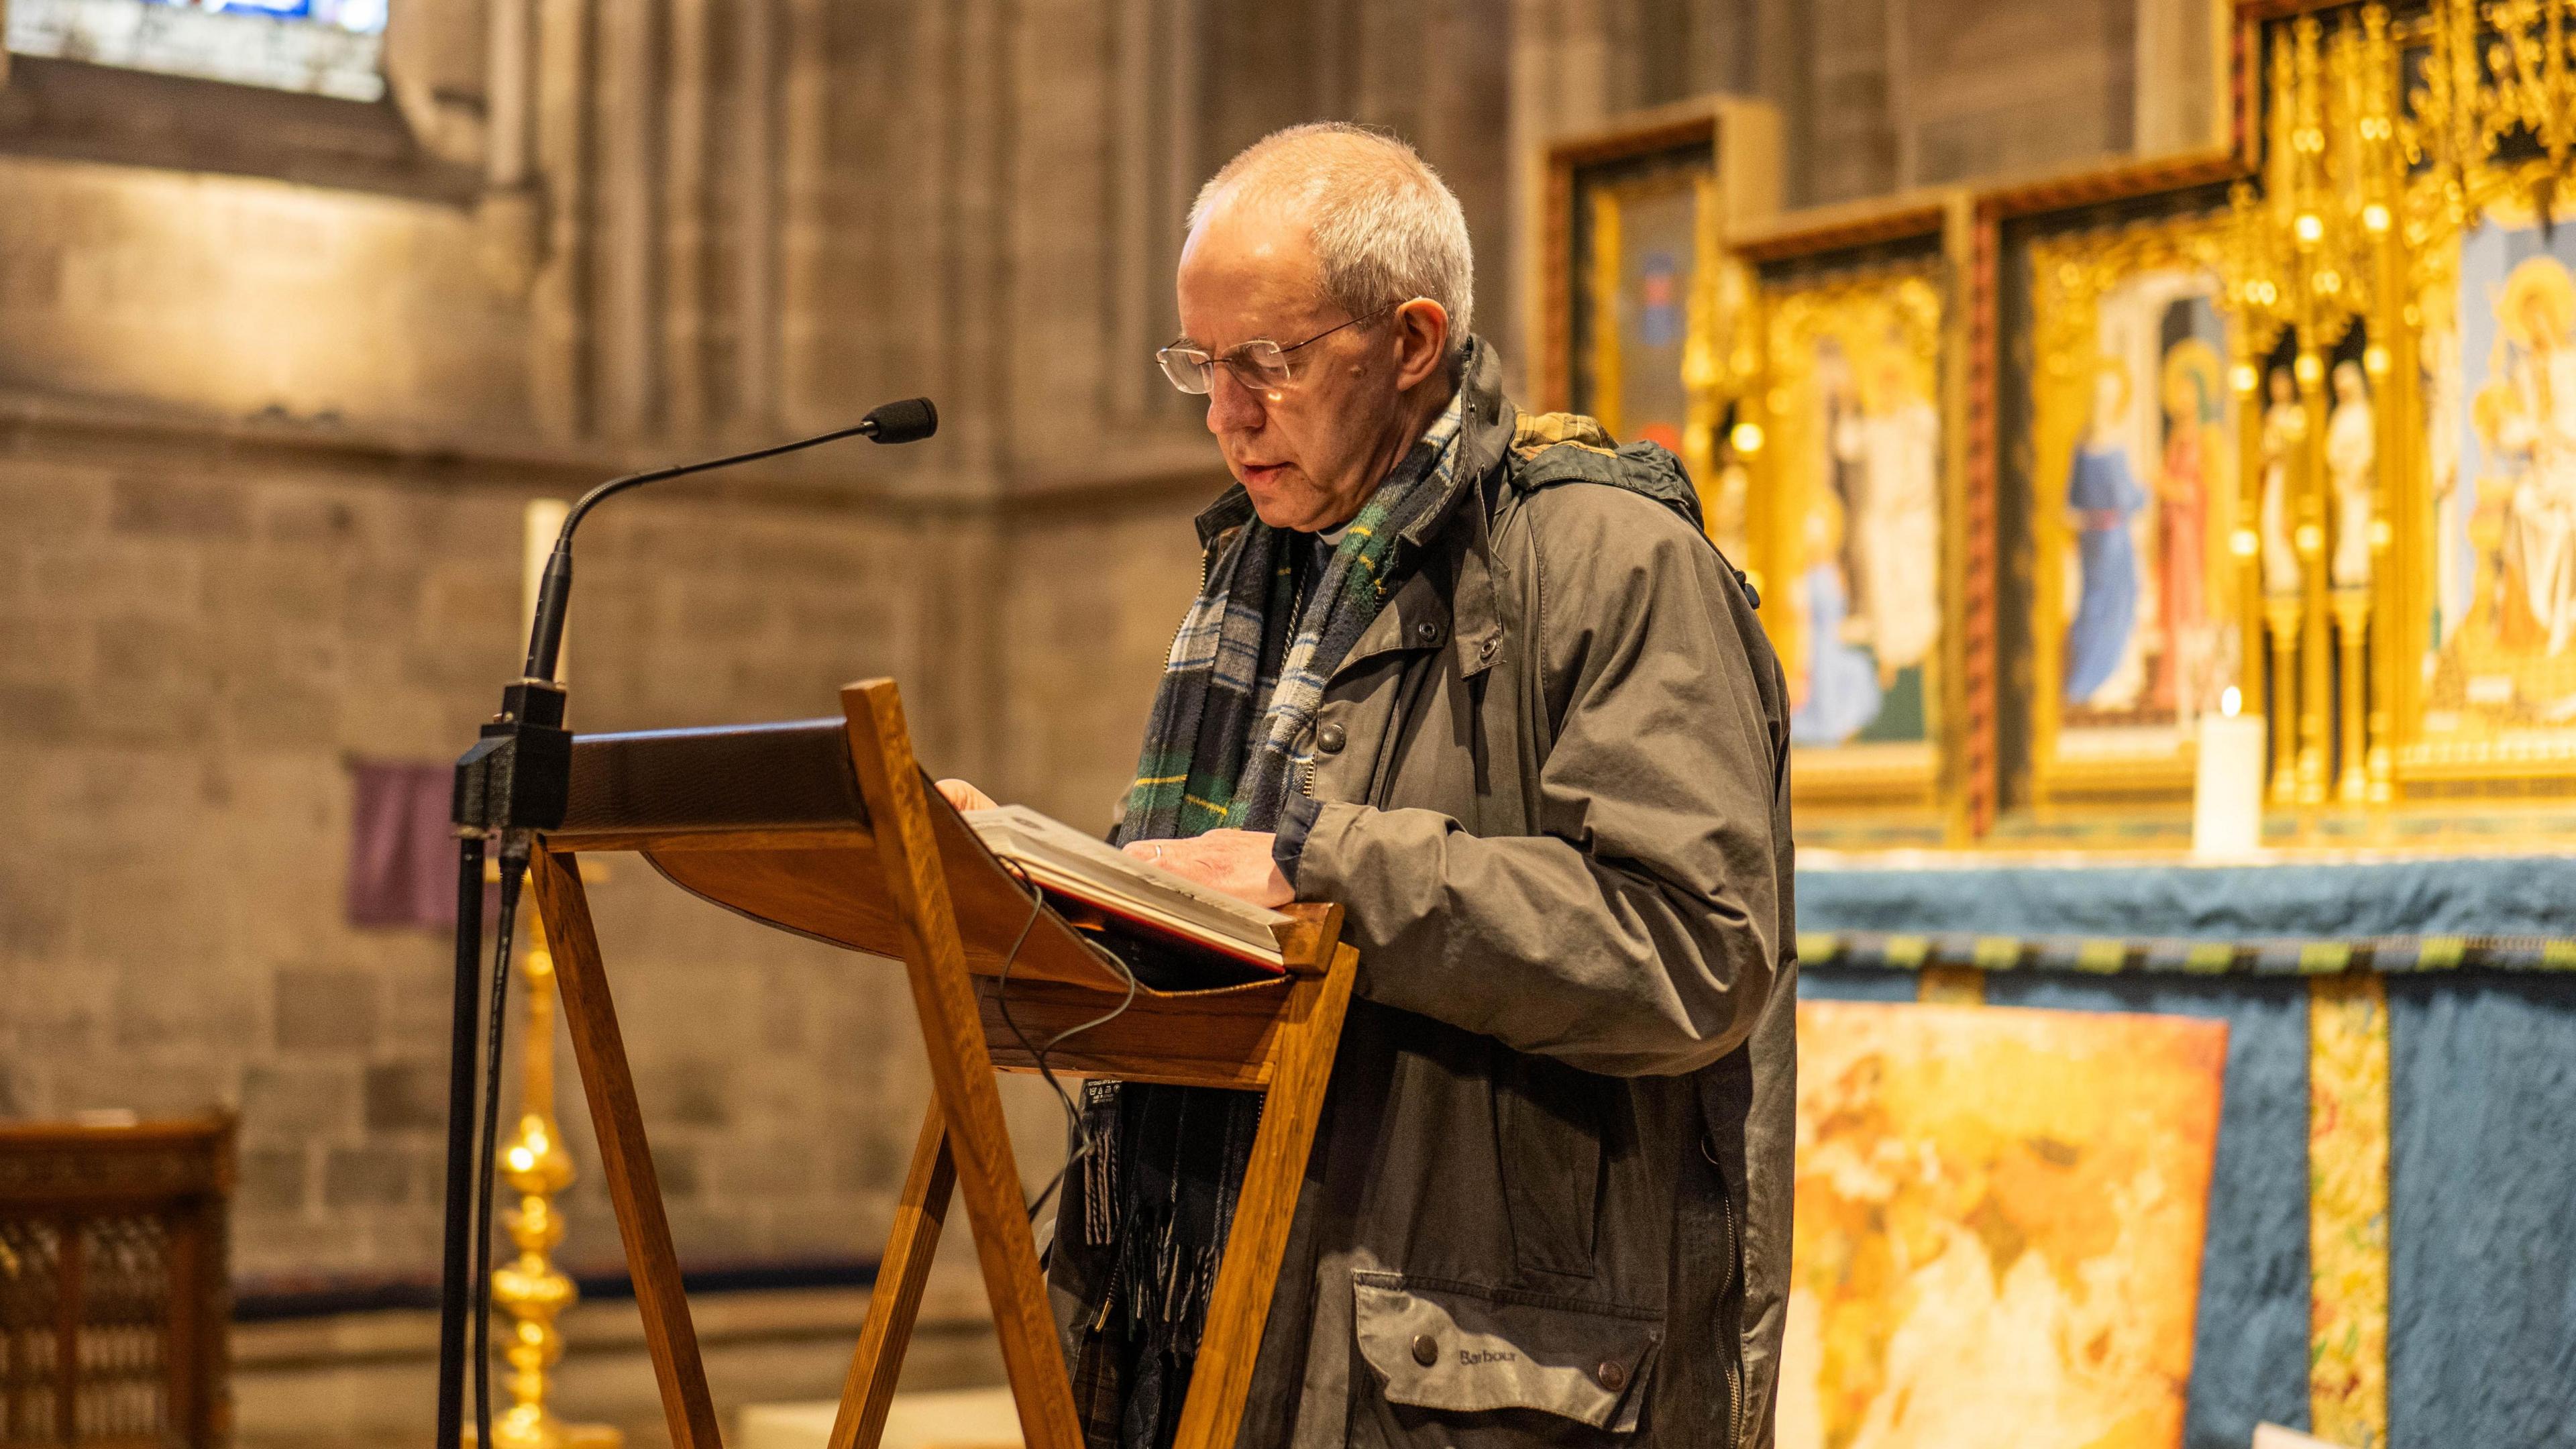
[{"x": 1999, "y": 1218}]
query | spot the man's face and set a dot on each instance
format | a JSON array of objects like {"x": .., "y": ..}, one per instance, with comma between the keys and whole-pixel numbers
[{"x": 1309, "y": 453}]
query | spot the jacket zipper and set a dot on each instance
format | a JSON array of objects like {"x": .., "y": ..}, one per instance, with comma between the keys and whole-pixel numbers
[
  {"x": 1181, "y": 627},
  {"x": 1735, "y": 1349}
]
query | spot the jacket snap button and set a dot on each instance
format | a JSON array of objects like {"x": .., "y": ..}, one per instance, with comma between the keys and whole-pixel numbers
[
  {"x": 1330, "y": 738},
  {"x": 1427, "y": 631},
  {"x": 1426, "y": 1352},
  {"x": 1613, "y": 1376}
]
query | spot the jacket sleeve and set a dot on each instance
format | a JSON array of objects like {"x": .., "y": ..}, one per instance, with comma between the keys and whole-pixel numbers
[{"x": 1637, "y": 932}]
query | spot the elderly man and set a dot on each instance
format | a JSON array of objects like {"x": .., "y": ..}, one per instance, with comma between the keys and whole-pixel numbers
[{"x": 1479, "y": 677}]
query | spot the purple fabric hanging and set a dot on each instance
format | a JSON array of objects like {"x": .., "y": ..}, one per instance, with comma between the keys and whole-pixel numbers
[{"x": 402, "y": 855}]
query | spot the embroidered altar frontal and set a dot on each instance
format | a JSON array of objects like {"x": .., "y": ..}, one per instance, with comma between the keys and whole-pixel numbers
[{"x": 2384, "y": 1260}]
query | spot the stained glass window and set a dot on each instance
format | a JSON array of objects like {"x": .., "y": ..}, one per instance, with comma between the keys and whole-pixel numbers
[{"x": 327, "y": 47}]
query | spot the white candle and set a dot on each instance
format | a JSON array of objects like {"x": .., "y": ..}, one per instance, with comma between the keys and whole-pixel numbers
[
  {"x": 543, "y": 520},
  {"x": 2227, "y": 795}
]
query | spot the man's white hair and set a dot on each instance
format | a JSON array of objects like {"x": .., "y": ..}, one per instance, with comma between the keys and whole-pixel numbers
[{"x": 1386, "y": 228}]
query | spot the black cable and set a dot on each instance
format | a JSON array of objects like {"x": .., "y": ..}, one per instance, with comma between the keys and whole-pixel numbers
[
  {"x": 1078, "y": 1136},
  {"x": 460, "y": 1141},
  {"x": 514, "y": 868}
]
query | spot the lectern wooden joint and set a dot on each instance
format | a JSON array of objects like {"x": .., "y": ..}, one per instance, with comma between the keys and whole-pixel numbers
[{"x": 829, "y": 829}]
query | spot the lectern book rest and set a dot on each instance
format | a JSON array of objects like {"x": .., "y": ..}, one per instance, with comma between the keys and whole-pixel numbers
[{"x": 828, "y": 828}]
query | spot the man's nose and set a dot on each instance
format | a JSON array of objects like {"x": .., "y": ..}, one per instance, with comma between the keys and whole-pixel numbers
[{"x": 1232, "y": 407}]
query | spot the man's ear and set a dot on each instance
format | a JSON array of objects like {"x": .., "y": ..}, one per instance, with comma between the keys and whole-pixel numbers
[{"x": 1421, "y": 342}]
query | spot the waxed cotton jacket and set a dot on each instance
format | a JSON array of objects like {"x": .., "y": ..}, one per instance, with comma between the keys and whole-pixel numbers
[{"x": 1549, "y": 1199}]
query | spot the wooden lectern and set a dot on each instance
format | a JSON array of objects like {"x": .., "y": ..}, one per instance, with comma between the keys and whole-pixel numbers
[{"x": 828, "y": 828}]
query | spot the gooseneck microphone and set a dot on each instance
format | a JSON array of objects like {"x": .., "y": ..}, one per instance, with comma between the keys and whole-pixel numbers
[
  {"x": 516, "y": 780},
  {"x": 908, "y": 421}
]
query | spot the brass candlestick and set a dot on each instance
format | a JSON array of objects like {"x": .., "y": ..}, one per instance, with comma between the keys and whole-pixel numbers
[
  {"x": 530, "y": 1291},
  {"x": 2352, "y": 631}
]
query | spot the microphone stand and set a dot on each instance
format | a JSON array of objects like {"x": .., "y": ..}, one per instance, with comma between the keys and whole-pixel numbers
[
  {"x": 452, "y": 1285},
  {"x": 514, "y": 782}
]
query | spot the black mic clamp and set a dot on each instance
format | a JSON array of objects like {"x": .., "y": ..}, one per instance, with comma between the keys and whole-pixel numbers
[{"x": 518, "y": 775}]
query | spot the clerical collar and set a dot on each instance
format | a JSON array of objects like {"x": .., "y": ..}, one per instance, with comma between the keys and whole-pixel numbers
[{"x": 1332, "y": 537}]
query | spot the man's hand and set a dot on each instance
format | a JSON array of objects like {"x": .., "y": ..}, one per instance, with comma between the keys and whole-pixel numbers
[
  {"x": 1237, "y": 862},
  {"x": 965, "y": 796}
]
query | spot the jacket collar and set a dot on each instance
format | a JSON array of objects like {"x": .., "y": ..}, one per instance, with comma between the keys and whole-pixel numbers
[{"x": 1484, "y": 440}]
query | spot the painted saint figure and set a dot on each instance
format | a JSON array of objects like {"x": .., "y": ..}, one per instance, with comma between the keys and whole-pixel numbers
[
  {"x": 2284, "y": 424},
  {"x": 2101, "y": 494},
  {"x": 1841, "y": 692},
  {"x": 2195, "y": 410},
  {"x": 2530, "y": 412},
  {"x": 1900, "y": 521},
  {"x": 2352, "y": 448},
  {"x": 1847, "y": 469}
]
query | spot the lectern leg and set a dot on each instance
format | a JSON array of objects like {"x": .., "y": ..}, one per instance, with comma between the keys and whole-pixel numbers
[
  {"x": 633, "y": 1189},
  {"x": 896, "y": 1301},
  {"x": 961, "y": 1068},
  {"x": 1248, "y": 1268}
]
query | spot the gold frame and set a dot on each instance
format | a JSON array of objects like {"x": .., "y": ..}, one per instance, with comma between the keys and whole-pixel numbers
[
  {"x": 2488, "y": 73},
  {"x": 1606, "y": 205},
  {"x": 2499, "y": 196},
  {"x": 1739, "y": 139},
  {"x": 2069, "y": 275},
  {"x": 1826, "y": 272},
  {"x": 1907, "y": 300}
]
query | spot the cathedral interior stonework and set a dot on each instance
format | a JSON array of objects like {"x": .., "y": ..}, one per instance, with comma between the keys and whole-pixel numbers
[{"x": 281, "y": 373}]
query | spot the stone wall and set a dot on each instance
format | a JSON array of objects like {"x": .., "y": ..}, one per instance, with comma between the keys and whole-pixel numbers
[
  {"x": 265, "y": 439},
  {"x": 197, "y": 647},
  {"x": 192, "y": 651},
  {"x": 1879, "y": 96}
]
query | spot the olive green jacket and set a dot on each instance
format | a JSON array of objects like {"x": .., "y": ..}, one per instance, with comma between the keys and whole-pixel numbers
[{"x": 1549, "y": 1199}]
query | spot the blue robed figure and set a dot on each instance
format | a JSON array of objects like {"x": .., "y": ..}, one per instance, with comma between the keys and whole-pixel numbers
[
  {"x": 2103, "y": 494},
  {"x": 1842, "y": 679}
]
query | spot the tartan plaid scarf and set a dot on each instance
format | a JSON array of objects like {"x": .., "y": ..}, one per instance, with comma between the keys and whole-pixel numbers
[
  {"x": 1244, "y": 677},
  {"x": 1246, "y": 674}
]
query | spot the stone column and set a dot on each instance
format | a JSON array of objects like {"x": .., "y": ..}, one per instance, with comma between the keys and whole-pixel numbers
[
  {"x": 1560, "y": 85},
  {"x": 803, "y": 198},
  {"x": 561, "y": 302},
  {"x": 753, "y": 154},
  {"x": 688, "y": 115},
  {"x": 632, "y": 153},
  {"x": 2182, "y": 86}
]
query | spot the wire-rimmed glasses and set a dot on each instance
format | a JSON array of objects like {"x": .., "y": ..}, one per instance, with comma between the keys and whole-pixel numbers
[{"x": 1260, "y": 364}]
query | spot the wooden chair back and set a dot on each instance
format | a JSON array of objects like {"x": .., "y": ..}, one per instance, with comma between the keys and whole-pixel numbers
[{"x": 114, "y": 1301}]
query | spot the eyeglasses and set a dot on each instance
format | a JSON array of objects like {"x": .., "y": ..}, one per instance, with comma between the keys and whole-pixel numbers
[{"x": 1260, "y": 364}]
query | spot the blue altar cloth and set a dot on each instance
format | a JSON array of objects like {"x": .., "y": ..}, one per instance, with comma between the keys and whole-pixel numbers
[
  {"x": 2481, "y": 1174},
  {"x": 2482, "y": 1269},
  {"x": 2424, "y": 913}
]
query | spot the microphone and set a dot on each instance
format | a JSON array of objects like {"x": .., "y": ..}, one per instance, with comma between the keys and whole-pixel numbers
[
  {"x": 517, "y": 779},
  {"x": 908, "y": 421}
]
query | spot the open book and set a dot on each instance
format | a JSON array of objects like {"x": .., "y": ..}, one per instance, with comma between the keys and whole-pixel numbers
[{"x": 1144, "y": 899}]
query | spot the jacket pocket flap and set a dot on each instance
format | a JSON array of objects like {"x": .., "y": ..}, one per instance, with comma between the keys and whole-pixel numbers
[{"x": 1460, "y": 1349}]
